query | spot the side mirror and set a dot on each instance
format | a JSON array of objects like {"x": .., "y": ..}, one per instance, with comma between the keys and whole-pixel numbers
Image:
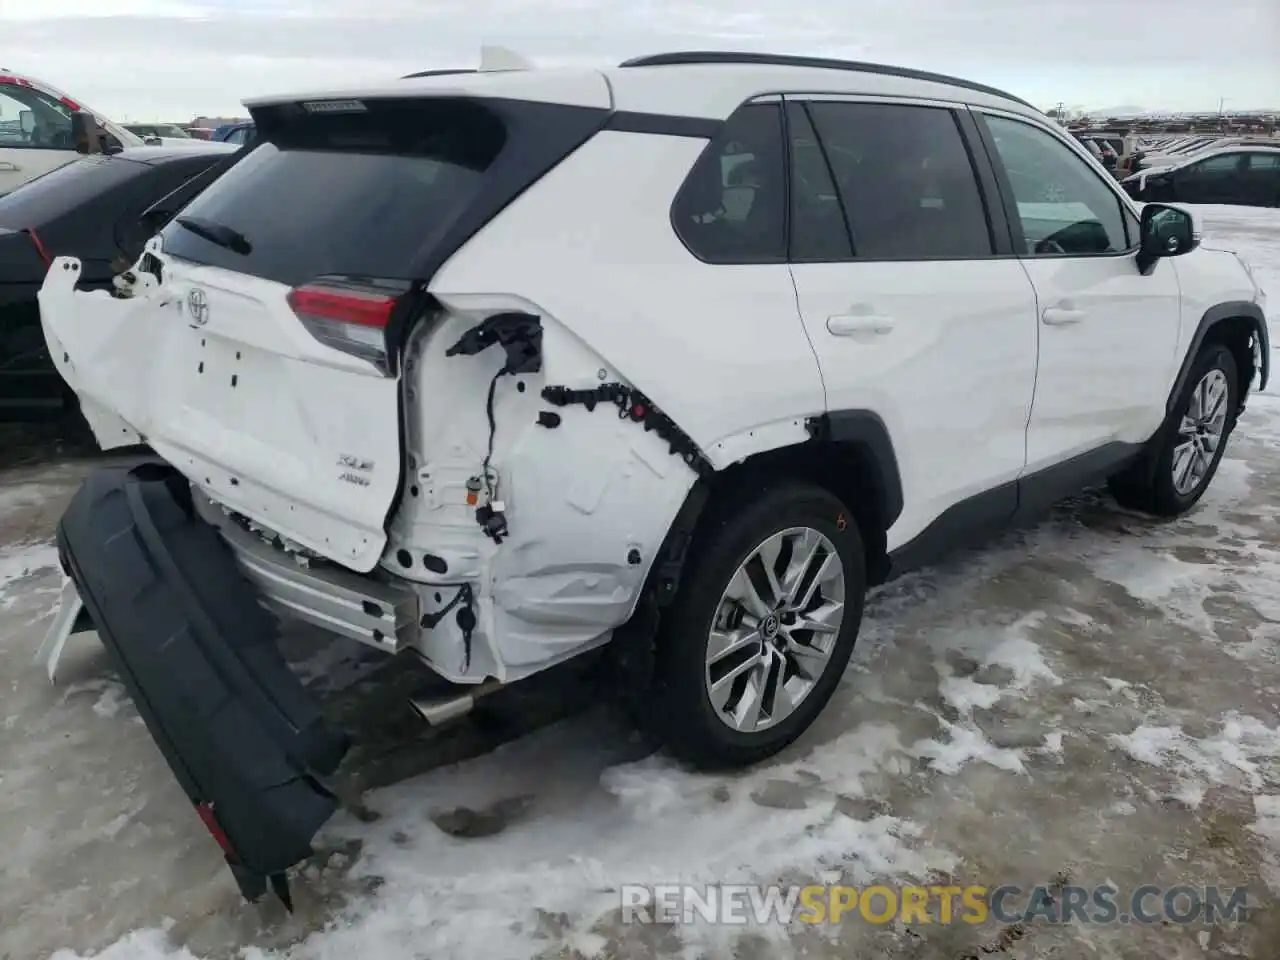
[
  {"x": 27, "y": 121},
  {"x": 1166, "y": 232},
  {"x": 88, "y": 136}
]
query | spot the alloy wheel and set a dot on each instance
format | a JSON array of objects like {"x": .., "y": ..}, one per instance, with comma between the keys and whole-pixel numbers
[
  {"x": 774, "y": 629},
  {"x": 1200, "y": 432}
]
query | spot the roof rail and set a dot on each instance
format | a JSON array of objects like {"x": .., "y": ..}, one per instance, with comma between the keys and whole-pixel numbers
[
  {"x": 818, "y": 63},
  {"x": 438, "y": 73}
]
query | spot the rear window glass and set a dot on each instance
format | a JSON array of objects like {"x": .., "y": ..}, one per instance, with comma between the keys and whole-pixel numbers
[
  {"x": 64, "y": 188},
  {"x": 357, "y": 193}
]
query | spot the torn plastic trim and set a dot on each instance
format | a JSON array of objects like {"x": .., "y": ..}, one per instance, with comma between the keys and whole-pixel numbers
[{"x": 71, "y": 618}]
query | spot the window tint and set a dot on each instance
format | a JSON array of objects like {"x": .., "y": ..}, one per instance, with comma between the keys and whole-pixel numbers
[
  {"x": 731, "y": 206},
  {"x": 169, "y": 183},
  {"x": 818, "y": 228},
  {"x": 346, "y": 193},
  {"x": 48, "y": 121},
  {"x": 1063, "y": 205},
  {"x": 64, "y": 188},
  {"x": 905, "y": 180},
  {"x": 1264, "y": 161},
  {"x": 1222, "y": 163}
]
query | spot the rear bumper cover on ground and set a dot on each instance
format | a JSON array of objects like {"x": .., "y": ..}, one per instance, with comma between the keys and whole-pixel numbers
[{"x": 198, "y": 655}]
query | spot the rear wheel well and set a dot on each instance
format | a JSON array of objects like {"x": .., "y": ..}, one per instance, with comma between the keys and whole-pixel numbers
[
  {"x": 844, "y": 469},
  {"x": 1237, "y": 335}
]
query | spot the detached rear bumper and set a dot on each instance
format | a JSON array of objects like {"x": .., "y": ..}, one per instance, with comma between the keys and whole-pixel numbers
[{"x": 198, "y": 655}]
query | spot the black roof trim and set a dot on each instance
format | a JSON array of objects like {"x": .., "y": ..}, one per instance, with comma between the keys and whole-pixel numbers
[
  {"x": 438, "y": 73},
  {"x": 818, "y": 63}
]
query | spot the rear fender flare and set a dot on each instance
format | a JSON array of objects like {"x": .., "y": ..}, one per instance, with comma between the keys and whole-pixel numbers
[
  {"x": 862, "y": 430},
  {"x": 1212, "y": 317}
]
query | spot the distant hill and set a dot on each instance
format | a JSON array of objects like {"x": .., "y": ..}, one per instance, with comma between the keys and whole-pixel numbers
[{"x": 1127, "y": 110}]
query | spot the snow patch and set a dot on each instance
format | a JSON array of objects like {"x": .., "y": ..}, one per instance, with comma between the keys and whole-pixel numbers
[
  {"x": 20, "y": 562},
  {"x": 1236, "y": 756},
  {"x": 963, "y": 745},
  {"x": 1267, "y": 828}
]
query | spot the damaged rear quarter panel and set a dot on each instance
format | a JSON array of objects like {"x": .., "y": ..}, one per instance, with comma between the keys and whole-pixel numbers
[{"x": 588, "y": 500}]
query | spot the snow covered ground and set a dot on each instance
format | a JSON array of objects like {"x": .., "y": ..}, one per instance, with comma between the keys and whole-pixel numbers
[{"x": 1095, "y": 700}]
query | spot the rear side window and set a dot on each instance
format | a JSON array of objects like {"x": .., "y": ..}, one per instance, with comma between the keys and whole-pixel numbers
[
  {"x": 819, "y": 231},
  {"x": 361, "y": 193},
  {"x": 732, "y": 206},
  {"x": 65, "y": 188},
  {"x": 905, "y": 179}
]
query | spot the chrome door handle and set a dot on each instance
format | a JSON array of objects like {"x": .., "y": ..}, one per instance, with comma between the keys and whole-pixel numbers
[
  {"x": 1061, "y": 316},
  {"x": 11, "y": 167},
  {"x": 850, "y": 324}
]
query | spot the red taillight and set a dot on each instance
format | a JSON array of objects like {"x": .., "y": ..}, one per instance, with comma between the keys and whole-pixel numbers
[
  {"x": 349, "y": 317},
  {"x": 40, "y": 249},
  {"x": 343, "y": 306},
  {"x": 70, "y": 104}
]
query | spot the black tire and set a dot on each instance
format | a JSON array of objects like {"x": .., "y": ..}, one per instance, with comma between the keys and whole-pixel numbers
[
  {"x": 679, "y": 709},
  {"x": 1149, "y": 485}
]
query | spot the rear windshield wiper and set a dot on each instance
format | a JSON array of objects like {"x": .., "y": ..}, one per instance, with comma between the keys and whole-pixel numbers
[{"x": 218, "y": 233}]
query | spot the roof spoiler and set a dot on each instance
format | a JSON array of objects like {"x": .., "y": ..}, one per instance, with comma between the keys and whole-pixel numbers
[{"x": 492, "y": 60}]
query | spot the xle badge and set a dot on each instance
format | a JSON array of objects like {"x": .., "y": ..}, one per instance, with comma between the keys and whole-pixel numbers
[{"x": 355, "y": 469}]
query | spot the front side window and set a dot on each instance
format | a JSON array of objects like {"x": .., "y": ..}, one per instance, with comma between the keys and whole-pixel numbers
[
  {"x": 731, "y": 208},
  {"x": 905, "y": 181},
  {"x": 33, "y": 120},
  {"x": 1063, "y": 206},
  {"x": 1264, "y": 161}
]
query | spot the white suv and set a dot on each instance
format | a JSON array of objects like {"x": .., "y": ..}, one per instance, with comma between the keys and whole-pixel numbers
[{"x": 677, "y": 357}]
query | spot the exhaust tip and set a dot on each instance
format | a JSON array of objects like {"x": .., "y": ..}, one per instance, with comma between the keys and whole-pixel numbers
[{"x": 436, "y": 710}]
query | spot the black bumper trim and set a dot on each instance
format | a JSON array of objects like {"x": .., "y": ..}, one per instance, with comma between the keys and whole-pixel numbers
[{"x": 198, "y": 655}]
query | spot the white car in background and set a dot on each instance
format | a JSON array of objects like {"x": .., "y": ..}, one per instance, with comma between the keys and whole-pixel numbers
[{"x": 35, "y": 129}]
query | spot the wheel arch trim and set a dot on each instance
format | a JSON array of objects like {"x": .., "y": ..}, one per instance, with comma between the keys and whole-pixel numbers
[{"x": 1215, "y": 315}]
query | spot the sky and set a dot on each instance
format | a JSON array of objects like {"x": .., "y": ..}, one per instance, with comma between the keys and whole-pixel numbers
[{"x": 174, "y": 59}]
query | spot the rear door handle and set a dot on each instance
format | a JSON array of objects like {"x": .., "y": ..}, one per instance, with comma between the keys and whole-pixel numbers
[
  {"x": 851, "y": 324},
  {"x": 11, "y": 167},
  {"x": 1061, "y": 316}
]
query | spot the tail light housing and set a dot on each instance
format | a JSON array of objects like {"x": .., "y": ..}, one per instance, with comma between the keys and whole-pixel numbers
[{"x": 352, "y": 316}]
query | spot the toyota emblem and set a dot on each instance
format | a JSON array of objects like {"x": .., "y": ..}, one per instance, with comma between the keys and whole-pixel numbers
[{"x": 198, "y": 307}]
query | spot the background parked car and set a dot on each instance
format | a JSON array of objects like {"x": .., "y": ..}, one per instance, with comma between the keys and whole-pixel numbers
[
  {"x": 35, "y": 129},
  {"x": 145, "y": 130},
  {"x": 237, "y": 133},
  {"x": 1103, "y": 151},
  {"x": 101, "y": 208},
  {"x": 1241, "y": 175}
]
